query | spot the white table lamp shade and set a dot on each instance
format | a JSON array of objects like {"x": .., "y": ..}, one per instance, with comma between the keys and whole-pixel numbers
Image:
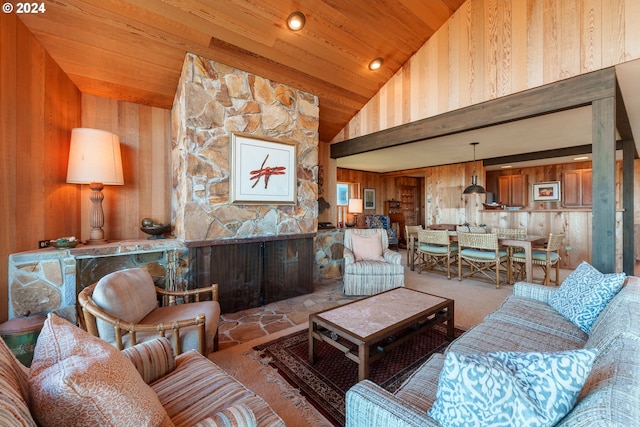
[
  {"x": 355, "y": 206},
  {"x": 94, "y": 156}
]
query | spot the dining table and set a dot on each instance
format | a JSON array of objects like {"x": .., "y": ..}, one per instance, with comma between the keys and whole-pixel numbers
[{"x": 526, "y": 243}]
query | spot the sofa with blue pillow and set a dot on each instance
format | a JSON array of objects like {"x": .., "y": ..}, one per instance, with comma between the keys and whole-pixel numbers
[{"x": 566, "y": 356}]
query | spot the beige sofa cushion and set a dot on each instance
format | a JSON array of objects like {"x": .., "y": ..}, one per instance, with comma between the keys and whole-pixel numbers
[
  {"x": 14, "y": 391},
  {"x": 188, "y": 335},
  {"x": 199, "y": 389},
  {"x": 234, "y": 416},
  {"x": 78, "y": 379},
  {"x": 153, "y": 359},
  {"x": 128, "y": 295},
  {"x": 367, "y": 247}
]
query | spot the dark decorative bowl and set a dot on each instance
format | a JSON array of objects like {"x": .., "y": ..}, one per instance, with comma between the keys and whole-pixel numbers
[
  {"x": 491, "y": 207},
  {"x": 157, "y": 230},
  {"x": 65, "y": 244}
]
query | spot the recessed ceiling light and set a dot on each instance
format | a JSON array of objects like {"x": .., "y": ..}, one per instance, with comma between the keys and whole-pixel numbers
[
  {"x": 506, "y": 166},
  {"x": 376, "y": 64},
  {"x": 296, "y": 21},
  {"x": 581, "y": 158}
]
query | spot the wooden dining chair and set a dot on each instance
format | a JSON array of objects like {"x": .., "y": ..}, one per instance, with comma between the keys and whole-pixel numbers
[
  {"x": 517, "y": 233},
  {"x": 482, "y": 254},
  {"x": 545, "y": 257},
  {"x": 435, "y": 249},
  {"x": 512, "y": 233},
  {"x": 470, "y": 229},
  {"x": 408, "y": 231}
]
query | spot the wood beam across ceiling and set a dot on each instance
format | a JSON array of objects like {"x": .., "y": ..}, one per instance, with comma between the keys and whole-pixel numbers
[{"x": 563, "y": 95}]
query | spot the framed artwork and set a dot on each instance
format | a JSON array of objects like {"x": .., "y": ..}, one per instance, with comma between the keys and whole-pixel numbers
[
  {"x": 263, "y": 171},
  {"x": 342, "y": 195},
  {"x": 546, "y": 191},
  {"x": 369, "y": 198}
]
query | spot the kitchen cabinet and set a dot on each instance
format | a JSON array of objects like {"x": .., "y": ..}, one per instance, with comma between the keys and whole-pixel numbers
[
  {"x": 577, "y": 188},
  {"x": 512, "y": 190}
]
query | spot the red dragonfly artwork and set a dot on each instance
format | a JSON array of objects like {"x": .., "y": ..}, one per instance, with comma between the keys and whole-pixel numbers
[{"x": 266, "y": 172}]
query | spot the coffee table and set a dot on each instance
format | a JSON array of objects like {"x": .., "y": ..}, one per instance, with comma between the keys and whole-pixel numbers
[{"x": 378, "y": 323}]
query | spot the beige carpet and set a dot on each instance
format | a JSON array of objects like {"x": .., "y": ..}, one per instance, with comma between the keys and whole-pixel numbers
[{"x": 473, "y": 301}]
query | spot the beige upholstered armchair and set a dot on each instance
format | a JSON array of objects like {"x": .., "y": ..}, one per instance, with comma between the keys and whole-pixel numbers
[
  {"x": 370, "y": 266},
  {"x": 122, "y": 309}
]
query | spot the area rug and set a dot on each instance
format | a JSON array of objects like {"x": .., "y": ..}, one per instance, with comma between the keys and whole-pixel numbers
[{"x": 326, "y": 382}]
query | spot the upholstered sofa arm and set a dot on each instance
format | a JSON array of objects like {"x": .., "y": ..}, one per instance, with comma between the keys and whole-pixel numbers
[
  {"x": 153, "y": 359},
  {"x": 348, "y": 256},
  {"x": 534, "y": 291},
  {"x": 370, "y": 405},
  {"x": 392, "y": 257},
  {"x": 238, "y": 415}
]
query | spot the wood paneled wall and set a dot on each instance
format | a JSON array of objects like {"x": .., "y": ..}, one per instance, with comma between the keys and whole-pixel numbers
[
  {"x": 542, "y": 218},
  {"x": 387, "y": 187},
  {"x": 493, "y": 48},
  {"x": 445, "y": 203},
  {"x": 39, "y": 106},
  {"x": 145, "y": 143}
]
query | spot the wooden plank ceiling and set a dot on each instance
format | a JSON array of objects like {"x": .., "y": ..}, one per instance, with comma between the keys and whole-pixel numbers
[{"x": 133, "y": 50}]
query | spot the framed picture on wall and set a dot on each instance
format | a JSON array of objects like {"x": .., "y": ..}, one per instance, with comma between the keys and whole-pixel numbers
[
  {"x": 546, "y": 191},
  {"x": 263, "y": 171},
  {"x": 369, "y": 198}
]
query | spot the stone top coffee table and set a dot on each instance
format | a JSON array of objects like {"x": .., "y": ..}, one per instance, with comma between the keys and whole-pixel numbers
[{"x": 367, "y": 323}]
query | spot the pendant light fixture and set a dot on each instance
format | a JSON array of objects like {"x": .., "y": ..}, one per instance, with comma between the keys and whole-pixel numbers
[{"x": 474, "y": 188}]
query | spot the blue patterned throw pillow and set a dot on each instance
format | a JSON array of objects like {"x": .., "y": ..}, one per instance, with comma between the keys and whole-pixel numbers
[
  {"x": 510, "y": 388},
  {"x": 584, "y": 294}
]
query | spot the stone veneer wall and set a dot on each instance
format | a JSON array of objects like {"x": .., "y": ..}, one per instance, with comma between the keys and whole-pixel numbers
[
  {"x": 48, "y": 279},
  {"x": 328, "y": 246},
  {"x": 212, "y": 101}
]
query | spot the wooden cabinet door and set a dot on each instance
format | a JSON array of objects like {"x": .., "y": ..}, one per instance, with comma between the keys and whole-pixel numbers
[
  {"x": 504, "y": 190},
  {"x": 571, "y": 190},
  {"x": 587, "y": 187},
  {"x": 518, "y": 190},
  {"x": 577, "y": 189},
  {"x": 512, "y": 190}
]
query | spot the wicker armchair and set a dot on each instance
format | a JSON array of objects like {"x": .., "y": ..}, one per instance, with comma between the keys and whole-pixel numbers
[
  {"x": 370, "y": 266},
  {"x": 435, "y": 250},
  {"x": 482, "y": 254},
  {"x": 122, "y": 309},
  {"x": 545, "y": 257}
]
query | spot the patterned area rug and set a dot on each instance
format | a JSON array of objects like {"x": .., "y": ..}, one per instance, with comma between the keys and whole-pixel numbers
[{"x": 326, "y": 382}]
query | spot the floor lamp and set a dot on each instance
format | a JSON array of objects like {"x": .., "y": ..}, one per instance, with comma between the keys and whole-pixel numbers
[{"x": 94, "y": 159}]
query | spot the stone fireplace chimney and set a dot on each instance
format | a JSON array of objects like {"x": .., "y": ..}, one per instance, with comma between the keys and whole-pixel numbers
[{"x": 212, "y": 102}]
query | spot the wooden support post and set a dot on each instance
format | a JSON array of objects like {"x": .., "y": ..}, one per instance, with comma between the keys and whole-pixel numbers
[{"x": 603, "y": 236}]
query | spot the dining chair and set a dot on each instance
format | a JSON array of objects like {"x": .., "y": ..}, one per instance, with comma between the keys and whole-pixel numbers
[
  {"x": 410, "y": 230},
  {"x": 546, "y": 257},
  {"x": 435, "y": 249},
  {"x": 482, "y": 254},
  {"x": 512, "y": 233},
  {"x": 470, "y": 229}
]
